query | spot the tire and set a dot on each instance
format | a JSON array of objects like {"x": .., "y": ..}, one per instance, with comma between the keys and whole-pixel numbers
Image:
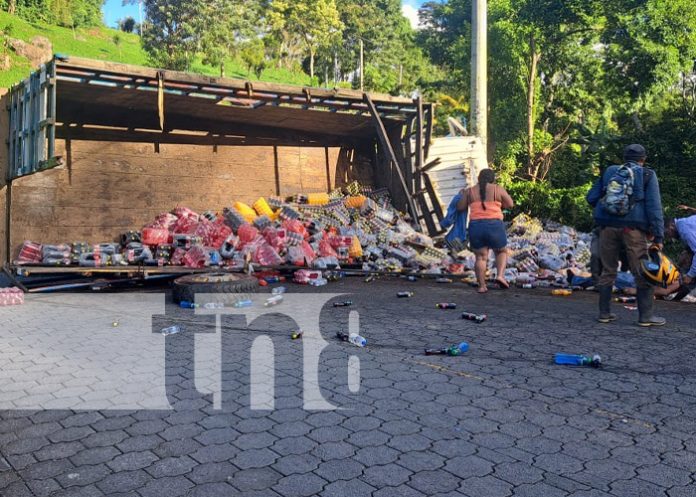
[{"x": 186, "y": 287}]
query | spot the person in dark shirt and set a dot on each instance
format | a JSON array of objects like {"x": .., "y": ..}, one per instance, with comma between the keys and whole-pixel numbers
[{"x": 642, "y": 223}]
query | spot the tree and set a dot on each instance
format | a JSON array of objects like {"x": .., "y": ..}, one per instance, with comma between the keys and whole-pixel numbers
[
  {"x": 127, "y": 25},
  {"x": 253, "y": 54},
  {"x": 118, "y": 41},
  {"x": 316, "y": 22},
  {"x": 172, "y": 37},
  {"x": 227, "y": 24}
]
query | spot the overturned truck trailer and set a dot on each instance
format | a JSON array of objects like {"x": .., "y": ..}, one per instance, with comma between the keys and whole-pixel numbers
[{"x": 96, "y": 148}]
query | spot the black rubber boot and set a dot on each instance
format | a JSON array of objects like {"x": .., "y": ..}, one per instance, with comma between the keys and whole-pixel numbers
[
  {"x": 605, "y": 314},
  {"x": 646, "y": 303}
]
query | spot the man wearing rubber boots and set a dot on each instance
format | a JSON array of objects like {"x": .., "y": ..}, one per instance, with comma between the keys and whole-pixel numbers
[{"x": 628, "y": 210}]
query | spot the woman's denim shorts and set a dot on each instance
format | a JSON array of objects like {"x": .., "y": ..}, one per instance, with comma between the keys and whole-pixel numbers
[{"x": 487, "y": 233}]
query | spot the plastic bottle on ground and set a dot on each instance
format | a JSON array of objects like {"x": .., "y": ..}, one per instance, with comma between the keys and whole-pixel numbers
[
  {"x": 446, "y": 305},
  {"x": 171, "y": 330},
  {"x": 275, "y": 300},
  {"x": 454, "y": 350},
  {"x": 478, "y": 318},
  {"x": 279, "y": 290},
  {"x": 578, "y": 360},
  {"x": 404, "y": 295},
  {"x": 242, "y": 303},
  {"x": 213, "y": 305},
  {"x": 353, "y": 338}
]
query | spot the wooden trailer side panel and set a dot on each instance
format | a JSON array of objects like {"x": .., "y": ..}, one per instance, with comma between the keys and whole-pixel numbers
[{"x": 106, "y": 188}]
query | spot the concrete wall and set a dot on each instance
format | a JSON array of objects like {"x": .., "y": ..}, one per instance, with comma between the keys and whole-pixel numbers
[{"x": 105, "y": 189}]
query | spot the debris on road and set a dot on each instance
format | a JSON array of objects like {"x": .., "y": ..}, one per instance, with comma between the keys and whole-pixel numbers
[
  {"x": 453, "y": 350},
  {"x": 171, "y": 330},
  {"x": 594, "y": 361},
  {"x": 478, "y": 318}
]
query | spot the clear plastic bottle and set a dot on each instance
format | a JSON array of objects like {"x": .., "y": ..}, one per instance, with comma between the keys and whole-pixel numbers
[
  {"x": 242, "y": 303},
  {"x": 279, "y": 290},
  {"x": 213, "y": 305},
  {"x": 353, "y": 338},
  {"x": 275, "y": 300},
  {"x": 171, "y": 330}
]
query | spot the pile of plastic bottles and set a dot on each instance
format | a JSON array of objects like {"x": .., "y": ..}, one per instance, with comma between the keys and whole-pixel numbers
[{"x": 350, "y": 225}]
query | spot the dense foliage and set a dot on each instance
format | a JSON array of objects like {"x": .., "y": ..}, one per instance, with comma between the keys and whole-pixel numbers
[
  {"x": 572, "y": 82},
  {"x": 321, "y": 37},
  {"x": 70, "y": 13}
]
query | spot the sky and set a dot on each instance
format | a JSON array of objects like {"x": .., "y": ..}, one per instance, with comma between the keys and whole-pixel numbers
[{"x": 115, "y": 10}]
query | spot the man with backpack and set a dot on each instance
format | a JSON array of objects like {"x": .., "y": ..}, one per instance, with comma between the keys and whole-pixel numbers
[{"x": 628, "y": 211}]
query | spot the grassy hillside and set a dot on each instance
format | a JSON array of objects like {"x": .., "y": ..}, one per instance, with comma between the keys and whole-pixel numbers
[{"x": 99, "y": 43}]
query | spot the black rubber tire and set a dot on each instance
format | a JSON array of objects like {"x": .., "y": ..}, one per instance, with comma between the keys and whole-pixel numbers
[{"x": 185, "y": 288}]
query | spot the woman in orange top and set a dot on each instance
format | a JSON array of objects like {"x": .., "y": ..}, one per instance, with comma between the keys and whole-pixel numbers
[{"x": 486, "y": 202}]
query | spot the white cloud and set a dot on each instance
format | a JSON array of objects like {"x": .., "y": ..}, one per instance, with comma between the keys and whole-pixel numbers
[{"x": 411, "y": 13}]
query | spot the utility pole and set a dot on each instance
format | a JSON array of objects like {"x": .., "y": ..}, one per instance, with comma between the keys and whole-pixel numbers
[
  {"x": 362, "y": 65},
  {"x": 479, "y": 71}
]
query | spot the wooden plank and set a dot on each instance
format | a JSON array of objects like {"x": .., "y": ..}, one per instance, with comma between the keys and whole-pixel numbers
[
  {"x": 122, "y": 135},
  {"x": 4, "y": 225},
  {"x": 419, "y": 158},
  {"x": 98, "y": 66},
  {"x": 384, "y": 139},
  {"x": 5, "y": 127},
  {"x": 429, "y": 130}
]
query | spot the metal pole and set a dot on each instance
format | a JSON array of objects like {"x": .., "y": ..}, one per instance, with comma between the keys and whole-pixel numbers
[
  {"x": 362, "y": 65},
  {"x": 479, "y": 71}
]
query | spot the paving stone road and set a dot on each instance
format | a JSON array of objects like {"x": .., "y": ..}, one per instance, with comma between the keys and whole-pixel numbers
[{"x": 500, "y": 420}]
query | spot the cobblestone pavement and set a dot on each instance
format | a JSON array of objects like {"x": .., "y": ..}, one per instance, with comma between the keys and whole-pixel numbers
[{"x": 500, "y": 420}]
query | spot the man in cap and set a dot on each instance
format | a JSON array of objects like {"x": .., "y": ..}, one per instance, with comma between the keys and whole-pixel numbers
[{"x": 628, "y": 210}]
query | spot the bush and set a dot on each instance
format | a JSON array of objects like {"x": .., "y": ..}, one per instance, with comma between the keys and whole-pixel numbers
[{"x": 564, "y": 205}]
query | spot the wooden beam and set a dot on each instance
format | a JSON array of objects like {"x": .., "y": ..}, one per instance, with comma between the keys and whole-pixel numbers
[
  {"x": 97, "y": 67},
  {"x": 429, "y": 130},
  {"x": 328, "y": 170},
  {"x": 124, "y": 135},
  {"x": 276, "y": 170},
  {"x": 419, "y": 143},
  {"x": 384, "y": 140}
]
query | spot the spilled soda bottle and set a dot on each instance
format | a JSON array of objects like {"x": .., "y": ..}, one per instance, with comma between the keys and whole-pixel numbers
[
  {"x": 275, "y": 300},
  {"x": 171, "y": 330},
  {"x": 454, "y": 350},
  {"x": 477, "y": 318},
  {"x": 594, "y": 361},
  {"x": 353, "y": 338}
]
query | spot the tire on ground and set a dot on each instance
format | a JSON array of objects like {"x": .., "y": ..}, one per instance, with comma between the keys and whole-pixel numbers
[{"x": 228, "y": 286}]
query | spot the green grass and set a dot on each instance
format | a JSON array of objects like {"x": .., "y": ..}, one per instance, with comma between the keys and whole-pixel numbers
[{"x": 98, "y": 43}]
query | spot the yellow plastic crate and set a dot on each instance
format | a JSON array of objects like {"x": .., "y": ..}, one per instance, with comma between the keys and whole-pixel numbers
[
  {"x": 247, "y": 212},
  {"x": 355, "y": 202},
  {"x": 262, "y": 208},
  {"x": 355, "y": 249},
  {"x": 318, "y": 198}
]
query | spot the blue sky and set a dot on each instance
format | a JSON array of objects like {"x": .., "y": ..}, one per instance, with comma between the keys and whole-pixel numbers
[{"x": 115, "y": 10}]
